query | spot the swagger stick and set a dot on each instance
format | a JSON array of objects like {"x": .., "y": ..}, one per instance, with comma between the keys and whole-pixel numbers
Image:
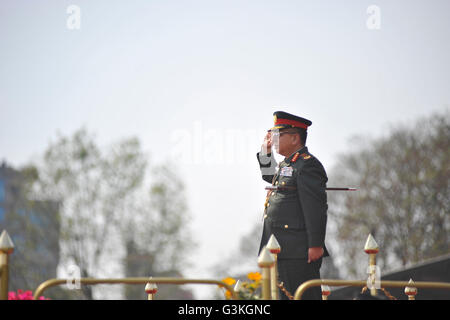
[{"x": 281, "y": 188}]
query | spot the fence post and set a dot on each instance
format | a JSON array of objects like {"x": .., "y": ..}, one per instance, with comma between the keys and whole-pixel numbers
[
  {"x": 325, "y": 292},
  {"x": 6, "y": 248},
  {"x": 275, "y": 249},
  {"x": 265, "y": 262},
  {"x": 151, "y": 289},
  {"x": 410, "y": 290},
  {"x": 371, "y": 248}
]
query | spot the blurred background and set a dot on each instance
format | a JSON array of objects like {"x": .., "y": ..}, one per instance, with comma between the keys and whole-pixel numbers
[{"x": 129, "y": 133}]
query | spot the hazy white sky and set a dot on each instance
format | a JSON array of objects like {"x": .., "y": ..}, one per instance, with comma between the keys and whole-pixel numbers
[{"x": 196, "y": 81}]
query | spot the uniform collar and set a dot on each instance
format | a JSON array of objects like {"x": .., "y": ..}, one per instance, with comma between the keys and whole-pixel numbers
[{"x": 299, "y": 151}]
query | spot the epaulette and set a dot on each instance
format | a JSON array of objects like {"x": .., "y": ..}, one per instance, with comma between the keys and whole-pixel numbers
[{"x": 305, "y": 156}]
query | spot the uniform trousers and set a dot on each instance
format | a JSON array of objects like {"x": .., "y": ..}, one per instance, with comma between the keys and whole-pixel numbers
[{"x": 293, "y": 272}]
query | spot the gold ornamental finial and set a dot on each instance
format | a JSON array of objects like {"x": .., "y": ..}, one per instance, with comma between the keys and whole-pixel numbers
[
  {"x": 273, "y": 245},
  {"x": 371, "y": 245},
  {"x": 237, "y": 286},
  {"x": 6, "y": 244},
  {"x": 410, "y": 290},
  {"x": 150, "y": 289},
  {"x": 265, "y": 259},
  {"x": 326, "y": 291},
  {"x": 6, "y": 248},
  {"x": 371, "y": 248}
]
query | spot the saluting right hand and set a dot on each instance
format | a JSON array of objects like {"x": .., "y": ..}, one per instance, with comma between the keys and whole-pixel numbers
[{"x": 267, "y": 144}]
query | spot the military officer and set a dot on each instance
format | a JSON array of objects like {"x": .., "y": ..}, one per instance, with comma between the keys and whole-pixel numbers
[{"x": 295, "y": 210}]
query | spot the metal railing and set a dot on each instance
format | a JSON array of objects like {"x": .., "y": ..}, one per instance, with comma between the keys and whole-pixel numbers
[
  {"x": 267, "y": 261},
  {"x": 139, "y": 280},
  {"x": 355, "y": 283}
]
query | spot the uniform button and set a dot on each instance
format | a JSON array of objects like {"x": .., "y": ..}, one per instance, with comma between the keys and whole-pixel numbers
[
  {"x": 286, "y": 226},
  {"x": 265, "y": 216},
  {"x": 283, "y": 183},
  {"x": 268, "y": 205},
  {"x": 276, "y": 183}
]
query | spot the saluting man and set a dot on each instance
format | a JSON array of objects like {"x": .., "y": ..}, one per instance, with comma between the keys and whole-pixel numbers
[{"x": 296, "y": 204}]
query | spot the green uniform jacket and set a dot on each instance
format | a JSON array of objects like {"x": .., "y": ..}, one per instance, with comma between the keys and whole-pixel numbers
[{"x": 297, "y": 215}]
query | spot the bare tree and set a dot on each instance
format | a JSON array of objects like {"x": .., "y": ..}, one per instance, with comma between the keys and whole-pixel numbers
[
  {"x": 402, "y": 199},
  {"x": 160, "y": 242},
  {"x": 107, "y": 217},
  {"x": 91, "y": 186}
]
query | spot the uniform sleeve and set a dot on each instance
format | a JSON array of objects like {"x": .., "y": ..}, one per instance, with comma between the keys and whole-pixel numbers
[
  {"x": 311, "y": 184},
  {"x": 268, "y": 165}
]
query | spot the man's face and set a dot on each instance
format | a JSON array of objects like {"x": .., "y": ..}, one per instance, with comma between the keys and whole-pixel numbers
[{"x": 283, "y": 141}]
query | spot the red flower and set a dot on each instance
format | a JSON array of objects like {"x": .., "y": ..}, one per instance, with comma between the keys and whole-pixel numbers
[{"x": 21, "y": 295}]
